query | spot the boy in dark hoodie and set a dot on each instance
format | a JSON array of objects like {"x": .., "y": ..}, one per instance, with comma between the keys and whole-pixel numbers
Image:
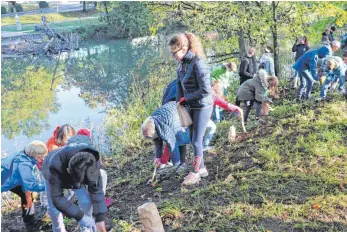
[{"x": 75, "y": 167}]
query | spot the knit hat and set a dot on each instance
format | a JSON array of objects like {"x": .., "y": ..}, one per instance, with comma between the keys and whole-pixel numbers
[{"x": 84, "y": 131}]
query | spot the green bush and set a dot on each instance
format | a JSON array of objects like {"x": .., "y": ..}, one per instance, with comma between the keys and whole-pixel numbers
[
  {"x": 3, "y": 10},
  {"x": 43, "y": 4},
  {"x": 123, "y": 124},
  {"x": 18, "y": 7}
]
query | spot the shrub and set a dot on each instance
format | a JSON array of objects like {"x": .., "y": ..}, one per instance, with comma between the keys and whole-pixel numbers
[
  {"x": 123, "y": 124},
  {"x": 18, "y": 7},
  {"x": 43, "y": 4},
  {"x": 3, "y": 10}
]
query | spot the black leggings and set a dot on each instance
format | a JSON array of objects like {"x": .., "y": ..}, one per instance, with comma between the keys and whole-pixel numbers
[
  {"x": 27, "y": 214},
  {"x": 248, "y": 107},
  {"x": 183, "y": 152},
  {"x": 197, "y": 130}
]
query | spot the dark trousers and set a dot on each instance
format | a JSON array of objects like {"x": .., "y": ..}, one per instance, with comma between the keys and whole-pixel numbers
[
  {"x": 27, "y": 214},
  {"x": 200, "y": 119},
  {"x": 183, "y": 152},
  {"x": 249, "y": 106}
]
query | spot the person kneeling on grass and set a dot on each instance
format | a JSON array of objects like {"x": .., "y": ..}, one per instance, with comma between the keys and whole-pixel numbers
[
  {"x": 255, "y": 91},
  {"x": 75, "y": 167},
  {"x": 164, "y": 125},
  {"x": 335, "y": 76},
  {"x": 17, "y": 176}
]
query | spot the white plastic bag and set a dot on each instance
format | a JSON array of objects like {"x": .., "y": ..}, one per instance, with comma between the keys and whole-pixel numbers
[{"x": 185, "y": 118}]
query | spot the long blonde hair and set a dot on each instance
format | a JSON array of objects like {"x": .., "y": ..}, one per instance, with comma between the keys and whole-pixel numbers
[
  {"x": 189, "y": 41},
  {"x": 273, "y": 85}
]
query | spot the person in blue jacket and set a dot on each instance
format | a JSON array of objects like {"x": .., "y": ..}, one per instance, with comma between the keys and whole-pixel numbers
[
  {"x": 195, "y": 92},
  {"x": 335, "y": 76},
  {"x": 307, "y": 68},
  {"x": 18, "y": 176}
]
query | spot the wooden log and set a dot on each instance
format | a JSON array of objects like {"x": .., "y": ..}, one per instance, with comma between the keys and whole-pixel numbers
[
  {"x": 150, "y": 217},
  {"x": 232, "y": 134}
]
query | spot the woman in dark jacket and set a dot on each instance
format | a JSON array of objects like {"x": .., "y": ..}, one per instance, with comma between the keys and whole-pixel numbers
[{"x": 193, "y": 91}]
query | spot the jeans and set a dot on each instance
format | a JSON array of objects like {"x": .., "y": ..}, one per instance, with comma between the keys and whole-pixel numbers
[
  {"x": 296, "y": 78},
  {"x": 306, "y": 82},
  {"x": 217, "y": 114},
  {"x": 84, "y": 202},
  {"x": 211, "y": 130}
]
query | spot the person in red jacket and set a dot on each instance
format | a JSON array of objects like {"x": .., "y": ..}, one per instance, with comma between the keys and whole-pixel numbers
[{"x": 218, "y": 101}]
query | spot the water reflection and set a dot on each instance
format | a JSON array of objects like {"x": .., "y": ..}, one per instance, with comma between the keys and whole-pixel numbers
[{"x": 40, "y": 93}]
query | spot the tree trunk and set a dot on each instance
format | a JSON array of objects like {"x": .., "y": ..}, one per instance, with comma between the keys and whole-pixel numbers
[
  {"x": 106, "y": 10},
  {"x": 275, "y": 40},
  {"x": 242, "y": 44},
  {"x": 84, "y": 6}
]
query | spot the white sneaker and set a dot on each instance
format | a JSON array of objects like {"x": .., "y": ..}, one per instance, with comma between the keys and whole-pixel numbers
[
  {"x": 191, "y": 179},
  {"x": 203, "y": 172}
]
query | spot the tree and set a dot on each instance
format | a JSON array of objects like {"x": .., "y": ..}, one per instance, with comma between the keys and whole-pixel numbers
[
  {"x": 84, "y": 6},
  {"x": 26, "y": 100},
  {"x": 130, "y": 19}
]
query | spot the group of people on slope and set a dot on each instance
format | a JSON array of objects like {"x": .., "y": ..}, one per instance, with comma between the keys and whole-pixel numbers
[
  {"x": 198, "y": 92},
  {"x": 67, "y": 166},
  {"x": 319, "y": 65}
]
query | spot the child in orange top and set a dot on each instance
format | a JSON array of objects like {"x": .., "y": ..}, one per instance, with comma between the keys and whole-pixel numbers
[{"x": 60, "y": 137}]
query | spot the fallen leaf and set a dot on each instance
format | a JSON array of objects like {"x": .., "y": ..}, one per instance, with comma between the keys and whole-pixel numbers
[{"x": 315, "y": 206}]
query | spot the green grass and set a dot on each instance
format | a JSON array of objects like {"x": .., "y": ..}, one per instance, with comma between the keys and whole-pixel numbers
[
  {"x": 59, "y": 26},
  {"x": 51, "y": 17},
  {"x": 284, "y": 176}
]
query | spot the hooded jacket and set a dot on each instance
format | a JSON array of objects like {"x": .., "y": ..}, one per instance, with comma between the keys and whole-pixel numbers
[
  {"x": 254, "y": 89},
  {"x": 309, "y": 60},
  {"x": 18, "y": 170},
  {"x": 336, "y": 75},
  {"x": 170, "y": 92},
  {"x": 55, "y": 171}
]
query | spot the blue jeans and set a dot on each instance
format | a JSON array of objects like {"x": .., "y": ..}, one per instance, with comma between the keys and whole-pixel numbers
[
  {"x": 211, "y": 130},
  {"x": 217, "y": 114},
  {"x": 306, "y": 82},
  {"x": 182, "y": 139},
  {"x": 84, "y": 202}
]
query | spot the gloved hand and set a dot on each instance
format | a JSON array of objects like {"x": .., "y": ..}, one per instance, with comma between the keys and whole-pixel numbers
[
  {"x": 182, "y": 100},
  {"x": 29, "y": 199},
  {"x": 88, "y": 222},
  {"x": 157, "y": 162}
]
